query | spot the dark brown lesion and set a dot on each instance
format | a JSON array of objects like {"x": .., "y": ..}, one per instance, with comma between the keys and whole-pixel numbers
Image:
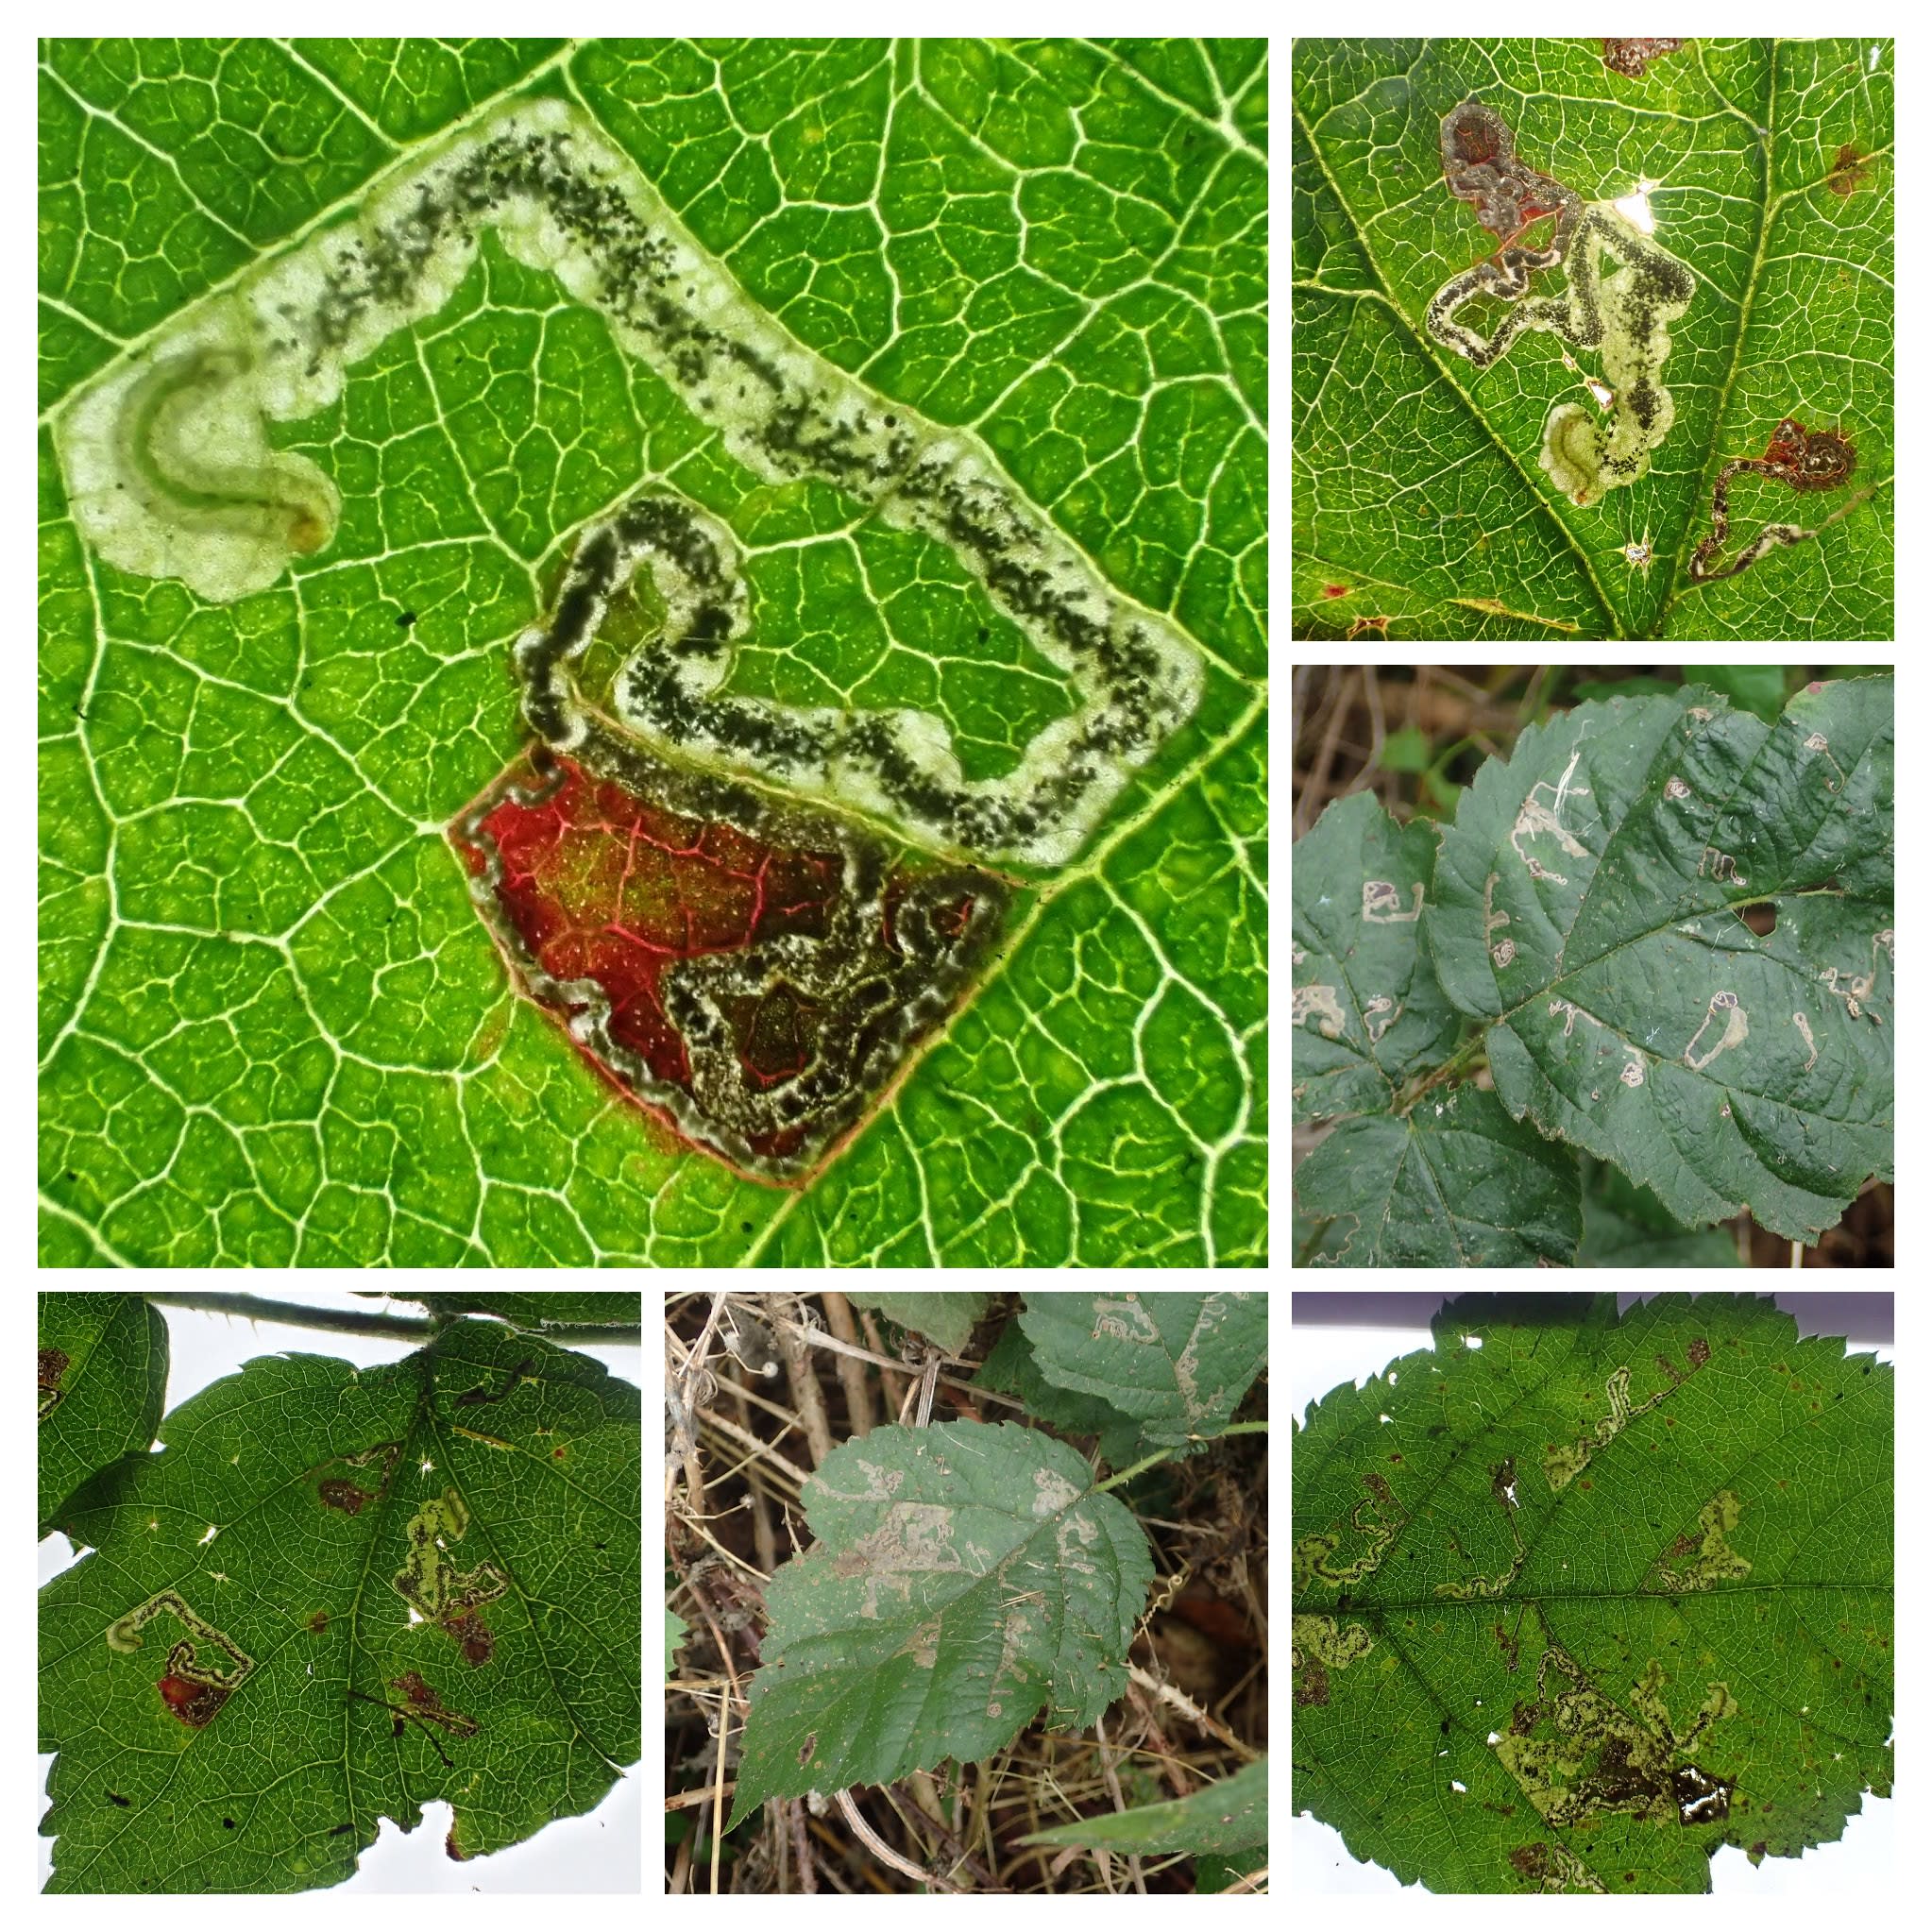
[
  {"x": 477, "y": 1397},
  {"x": 1804, "y": 460},
  {"x": 54, "y": 1363},
  {"x": 1632, "y": 58},
  {"x": 336, "y": 1494},
  {"x": 1849, "y": 170}
]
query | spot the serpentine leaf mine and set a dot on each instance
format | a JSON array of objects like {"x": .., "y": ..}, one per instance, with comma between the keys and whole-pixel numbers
[
  {"x": 755, "y": 972},
  {"x": 1624, "y": 290}
]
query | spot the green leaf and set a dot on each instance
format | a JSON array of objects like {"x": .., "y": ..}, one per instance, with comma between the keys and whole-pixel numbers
[
  {"x": 1760, "y": 175},
  {"x": 1010, "y": 1367},
  {"x": 234, "y": 1661},
  {"x": 1178, "y": 1364},
  {"x": 1587, "y": 909},
  {"x": 1578, "y": 1606},
  {"x": 1456, "y": 1184},
  {"x": 1366, "y": 1009},
  {"x": 1230, "y": 1816},
  {"x": 965, "y": 1577},
  {"x": 942, "y": 1318},
  {"x": 1407, "y": 750},
  {"x": 103, "y": 1379},
  {"x": 276, "y": 660},
  {"x": 1217, "y": 1871},
  {"x": 675, "y": 1631},
  {"x": 1627, "y": 1226}
]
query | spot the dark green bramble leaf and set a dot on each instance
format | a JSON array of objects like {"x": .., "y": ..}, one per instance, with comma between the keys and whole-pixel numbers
[
  {"x": 103, "y": 1379},
  {"x": 1587, "y": 909},
  {"x": 1226, "y": 1817},
  {"x": 1455, "y": 1183},
  {"x": 1366, "y": 1010},
  {"x": 1178, "y": 1364},
  {"x": 1577, "y": 1605},
  {"x": 1217, "y": 1871},
  {"x": 965, "y": 1577},
  {"x": 336, "y": 1595},
  {"x": 944, "y": 1317},
  {"x": 1011, "y": 1368},
  {"x": 1627, "y": 1226},
  {"x": 1751, "y": 178}
]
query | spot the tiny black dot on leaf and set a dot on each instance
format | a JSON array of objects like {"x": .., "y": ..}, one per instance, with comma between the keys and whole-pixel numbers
[
  {"x": 404, "y": 618},
  {"x": 228, "y": 1824}
]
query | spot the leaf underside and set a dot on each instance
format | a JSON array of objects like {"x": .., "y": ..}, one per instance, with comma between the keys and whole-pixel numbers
[
  {"x": 1576, "y": 1606},
  {"x": 103, "y": 1379}
]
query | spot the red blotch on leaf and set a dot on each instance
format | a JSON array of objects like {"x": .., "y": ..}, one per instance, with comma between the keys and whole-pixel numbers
[
  {"x": 194, "y": 1704},
  {"x": 1334, "y": 591}
]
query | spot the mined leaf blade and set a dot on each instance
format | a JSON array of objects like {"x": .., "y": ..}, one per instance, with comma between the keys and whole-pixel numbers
[
  {"x": 103, "y": 1379},
  {"x": 1456, "y": 1184},
  {"x": 965, "y": 1577},
  {"x": 1010, "y": 1367},
  {"x": 1422, "y": 508},
  {"x": 946, "y": 1318},
  {"x": 1586, "y": 911},
  {"x": 1576, "y": 1606},
  {"x": 1366, "y": 1010},
  {"x": 1178, "y": 1364},
  {"x": 321, "y": 1482},
  {"x": 1230, "y": 1816}
]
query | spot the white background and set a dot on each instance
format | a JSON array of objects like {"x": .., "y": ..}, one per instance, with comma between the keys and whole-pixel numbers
[{"x": 599, "y": 1851}]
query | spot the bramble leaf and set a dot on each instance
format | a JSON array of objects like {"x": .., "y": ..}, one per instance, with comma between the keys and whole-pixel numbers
[
  {"x": 1010, "y": 1367},
  {"x": 1580, "y": 1597},
  {"x": 1230, "y": 1816},
  {"x": 1588, "y": 910},
  {"x": 103, "y": 1379},
  {"x": 1177, "y": 1364},
  {"x": 964, "y": 1577},
  {"x": 1366, "y": 1008},
  {"x": 945, "y": 1318},
  {"x": 336, "y": 1595},
  {"x": 1455, "y": 1183}
]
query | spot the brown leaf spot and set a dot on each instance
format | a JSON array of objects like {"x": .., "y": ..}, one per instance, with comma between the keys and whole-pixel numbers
[
  {"x": 1849, "y": 171},
  {"x": 345, "y": 1497},
  {"x": 319, "y": 1622}
]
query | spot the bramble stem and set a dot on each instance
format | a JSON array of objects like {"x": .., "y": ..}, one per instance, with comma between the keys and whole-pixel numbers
[{"x": 353, "y": 1321}]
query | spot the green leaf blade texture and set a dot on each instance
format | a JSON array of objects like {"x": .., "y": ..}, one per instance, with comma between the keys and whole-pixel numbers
[
  {"x": 1454, "y": 1183},
  {"x": 964, "y": 1578},
  {"x": 1586, "y": 913},
  {"x": 275, "y": 1030},
  {"x": 1230, "y": 1816},
  {"x": 1178, "y": 1364},
  {"x": 103, "y": 1379},
  {"x": 258, "y": 1745},
  {"x": 1628, "y": 1582}
]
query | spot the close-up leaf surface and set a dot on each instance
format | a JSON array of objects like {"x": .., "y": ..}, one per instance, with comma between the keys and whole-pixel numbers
[
  {"x": 103, "y": 1380},
  {"x": 1588, "y": 910},
  {"x": 964, "y": 1578},
  {"x": 1750, "y": 179},
  {"x": 336, "y": 1595},
  {"x": 1580, "y": 1597},
  {"x": 302, "y": 1001}
]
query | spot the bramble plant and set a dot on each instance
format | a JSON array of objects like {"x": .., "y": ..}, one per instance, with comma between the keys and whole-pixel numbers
[
  {"x": 1580, "y": 932},
  {"x": 968, "y": 1577},
  {"x": 336, "y": 1593},
  {"x": 1580, "y": 1599}
]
